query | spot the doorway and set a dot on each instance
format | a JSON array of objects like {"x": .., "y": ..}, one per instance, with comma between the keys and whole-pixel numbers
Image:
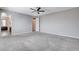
[
  {"x": 35, "y": 24},
  {"x": 6, "y": 24}
]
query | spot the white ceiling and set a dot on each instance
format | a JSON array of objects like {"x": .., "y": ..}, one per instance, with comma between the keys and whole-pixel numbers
[{"x": 28, "y": 11}]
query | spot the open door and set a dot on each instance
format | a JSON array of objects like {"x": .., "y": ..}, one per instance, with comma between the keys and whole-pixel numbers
[{"x": 33, "y": 24}]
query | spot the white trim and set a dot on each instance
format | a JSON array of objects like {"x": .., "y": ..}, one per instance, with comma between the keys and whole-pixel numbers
[{"x": 62, "y": 35}]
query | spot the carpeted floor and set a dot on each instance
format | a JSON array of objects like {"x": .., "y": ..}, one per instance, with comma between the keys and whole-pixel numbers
[{"x": 38, "y": 41}]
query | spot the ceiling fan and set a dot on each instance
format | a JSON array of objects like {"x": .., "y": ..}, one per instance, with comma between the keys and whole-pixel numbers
[{"x": 37, "y": 10}]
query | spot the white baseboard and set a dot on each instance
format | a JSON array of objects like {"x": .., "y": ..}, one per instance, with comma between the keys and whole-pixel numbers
[{"x": 63, "y": 35}]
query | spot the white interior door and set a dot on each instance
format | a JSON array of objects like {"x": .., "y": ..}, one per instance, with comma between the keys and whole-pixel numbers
[{"x": 37, "y": 24}]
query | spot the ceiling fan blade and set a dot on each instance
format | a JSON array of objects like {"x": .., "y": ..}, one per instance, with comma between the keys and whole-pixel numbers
[
  {"x": 38, "y": 8},
  {"x": 41, "y": 11},
  {"x": 32, "y": 9},
  {"x": 38, "y": 12}
]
